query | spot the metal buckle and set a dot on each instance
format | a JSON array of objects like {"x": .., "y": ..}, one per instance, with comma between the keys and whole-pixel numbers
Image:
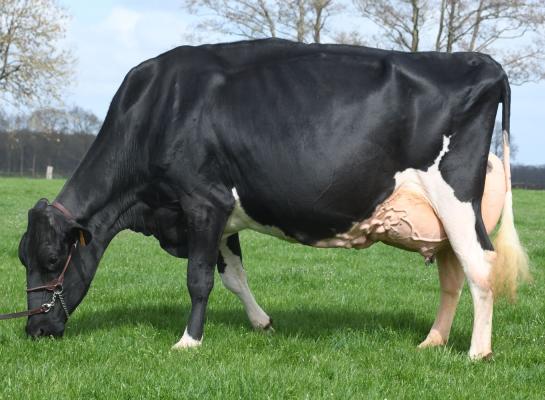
[{"x": 46, "y": 307}]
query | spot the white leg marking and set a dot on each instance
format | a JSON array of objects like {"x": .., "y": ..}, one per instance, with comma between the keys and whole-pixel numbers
[
  {"x": 186, "y": 342},
  {"x": 451, "y": 279},
  {"x": 234, "y": 279},
  {"x": 458, "y": 219}
]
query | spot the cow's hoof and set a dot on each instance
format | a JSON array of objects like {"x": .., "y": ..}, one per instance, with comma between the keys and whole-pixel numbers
[
  {"x": 187, "y": 342},
  {"x": 434, "y": 339},
  {"x": 268, "y": 328},
  {"x": 264, "y": 326},
  {"x": 489, "y": 356}
]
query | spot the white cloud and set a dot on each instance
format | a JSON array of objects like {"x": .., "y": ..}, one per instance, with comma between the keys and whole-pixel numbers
[{"x": 122, "y": 23}]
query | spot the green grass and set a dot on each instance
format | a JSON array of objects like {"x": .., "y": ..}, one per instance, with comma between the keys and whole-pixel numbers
[{"x": 347, "y": 324}]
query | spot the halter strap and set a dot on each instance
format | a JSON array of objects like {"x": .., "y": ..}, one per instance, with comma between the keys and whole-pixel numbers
[
  {"x": 39, "y": 310},
  {"x": 62, "y": 209},
  {"x": 56, "y": 283},
  {"x": 68, "y": 215}
]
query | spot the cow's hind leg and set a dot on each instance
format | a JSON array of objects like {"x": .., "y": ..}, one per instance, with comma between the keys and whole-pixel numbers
[
  {"x": 477, "y": 266},
  {"x": 206, "y": 223},
  {"x": 233, "y": 277},
  {"x": 451, "y": 279},
  {"x": 458, "y": 218},
  {"x": 463, "y": 224}
]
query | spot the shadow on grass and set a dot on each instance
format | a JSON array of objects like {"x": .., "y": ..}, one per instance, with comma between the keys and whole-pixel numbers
[{"x": 303, "y": 322}]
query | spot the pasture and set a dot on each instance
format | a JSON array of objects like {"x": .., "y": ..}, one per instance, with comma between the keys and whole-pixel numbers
[{"x": 347, "y": 324}]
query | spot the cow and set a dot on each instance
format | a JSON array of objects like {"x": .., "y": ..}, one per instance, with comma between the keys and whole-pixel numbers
[{"x": 304, "y": 142}]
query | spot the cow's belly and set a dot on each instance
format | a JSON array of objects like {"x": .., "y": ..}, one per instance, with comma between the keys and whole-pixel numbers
[{"x": 407, "y": 220}]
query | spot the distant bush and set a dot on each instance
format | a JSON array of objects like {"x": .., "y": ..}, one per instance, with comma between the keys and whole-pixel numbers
[
  {"x": 528, "y": 176},
  {"x": 28, "y": 153},
  {"x": 29, "y": 142}
]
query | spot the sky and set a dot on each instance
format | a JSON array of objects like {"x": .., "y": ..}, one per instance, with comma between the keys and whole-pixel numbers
[{"x": 109, "y": 37}]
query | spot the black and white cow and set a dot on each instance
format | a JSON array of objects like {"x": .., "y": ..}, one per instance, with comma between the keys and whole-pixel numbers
[{"x": 303, "y": 142}]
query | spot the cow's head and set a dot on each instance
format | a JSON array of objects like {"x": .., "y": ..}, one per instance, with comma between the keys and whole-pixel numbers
[{"x": 44, "y": 250}]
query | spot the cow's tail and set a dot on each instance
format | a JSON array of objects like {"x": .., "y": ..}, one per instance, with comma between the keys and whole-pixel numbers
[{"x": 511, "y": 264}]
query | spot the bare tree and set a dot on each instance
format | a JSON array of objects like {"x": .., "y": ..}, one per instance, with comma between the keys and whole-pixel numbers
[
  {"x": 301, "y": 20},
  {"x": 352, "y": 38},
  {"x": 399, "y": 21},
  {"x": 48, "y": 120},
  {"x": 489, "y": 26},
  {"x": 32, "y": 67},
  {"x": 307, "y": 18},
  {"x": 492, "y": 26},
  {"x": 54, "y": 120},
  {"x": 81, "y": 121}
]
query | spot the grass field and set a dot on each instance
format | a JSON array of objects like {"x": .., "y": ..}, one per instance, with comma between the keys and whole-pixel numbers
[{"x": 347, "y": 324}]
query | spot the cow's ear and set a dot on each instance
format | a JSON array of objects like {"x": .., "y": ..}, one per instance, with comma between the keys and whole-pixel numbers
[
  {"x": 41, "y": 204},
  {"x": 23, "y": 250},
  {"x": 81, "y": 234}
]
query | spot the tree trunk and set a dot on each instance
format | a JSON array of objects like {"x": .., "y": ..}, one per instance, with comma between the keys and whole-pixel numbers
[
  {"x": 476, "y": 27},
  {"x": 415, "y": 33},
  {"x": 318, "y": 24},
  {"x": 450, "y": 32},
  {"x": 22, "y": 160},
  {"x": 441, "y": 25},
  {"x": 9, "y": 158},
  {"x": 301, "y": 21},
  {"x": 34, "y": 164}
]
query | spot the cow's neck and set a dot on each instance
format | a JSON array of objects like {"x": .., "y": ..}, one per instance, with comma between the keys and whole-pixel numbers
[
  {"x": 104, "y": 231},
  {"x": 102, "y": 187}
]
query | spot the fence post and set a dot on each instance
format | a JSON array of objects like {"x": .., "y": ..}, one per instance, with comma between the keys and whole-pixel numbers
[{"x": 49, "y": 172}]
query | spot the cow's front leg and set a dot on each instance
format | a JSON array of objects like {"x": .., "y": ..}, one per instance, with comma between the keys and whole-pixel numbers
[
  {"x": 233, "y": 277},
  {"x": 451, "y": 279},
  {"x": 206, "y": 225}
]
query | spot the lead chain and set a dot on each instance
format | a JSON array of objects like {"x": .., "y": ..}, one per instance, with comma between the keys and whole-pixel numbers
[{"x": 63, "y": 304}]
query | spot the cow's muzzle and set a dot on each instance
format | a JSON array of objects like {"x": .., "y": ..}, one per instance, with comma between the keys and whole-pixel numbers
[{"x": 36, "y": 328}]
